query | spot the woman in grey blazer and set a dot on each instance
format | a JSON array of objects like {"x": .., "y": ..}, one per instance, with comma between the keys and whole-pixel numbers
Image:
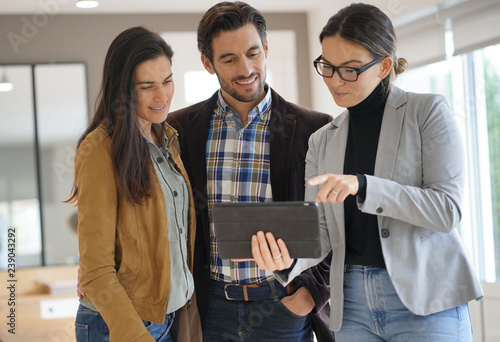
[{"x": 389, "y": 174}]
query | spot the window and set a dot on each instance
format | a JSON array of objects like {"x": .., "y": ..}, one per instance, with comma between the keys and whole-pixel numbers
[
  {"x": 491, "y": 73},
  {"x": 471, "y": 83},
  {"x": 24, "y": 217},
  {"x": 199, "y": 86}
]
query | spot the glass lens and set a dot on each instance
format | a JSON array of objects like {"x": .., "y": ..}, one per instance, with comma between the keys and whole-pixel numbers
[
  {"x": 324, "y": 69},
  {"x": 348, "y": 74}
]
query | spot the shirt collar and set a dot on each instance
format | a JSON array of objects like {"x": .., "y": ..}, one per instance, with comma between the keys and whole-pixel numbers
[
  {"x": 261, "y": 109},
  {"x": 158, "y": 129}
]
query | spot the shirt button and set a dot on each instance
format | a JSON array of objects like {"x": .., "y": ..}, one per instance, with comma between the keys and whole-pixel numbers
[
  {"x": 175, "y": 194},
  {"x": 385, "y": 233},
  {"x": 159, "y": 160},
  {"x": 380, "y": 210}
]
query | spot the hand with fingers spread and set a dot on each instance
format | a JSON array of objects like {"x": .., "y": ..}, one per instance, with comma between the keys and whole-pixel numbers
[
  {"x": 270, "y": 254},
  {"x": 335, "y": 188}
]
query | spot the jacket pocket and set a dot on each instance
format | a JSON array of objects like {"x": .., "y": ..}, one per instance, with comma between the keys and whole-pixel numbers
[{"x": 427, "y": 234}]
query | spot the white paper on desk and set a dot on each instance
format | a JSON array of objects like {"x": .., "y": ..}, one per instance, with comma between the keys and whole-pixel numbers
[
  {"x": 58, "y": 308},
  {"x": 60, "y": 287}
]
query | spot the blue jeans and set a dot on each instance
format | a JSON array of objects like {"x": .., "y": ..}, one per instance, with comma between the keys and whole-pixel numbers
[
  {"x": 90, "y": 327},
  {"x": 374, "y": 312},
  {"x": 267, "y": 320}
]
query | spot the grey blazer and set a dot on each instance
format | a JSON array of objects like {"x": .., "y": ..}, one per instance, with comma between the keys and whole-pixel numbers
[{"x": 416, "y": 193}]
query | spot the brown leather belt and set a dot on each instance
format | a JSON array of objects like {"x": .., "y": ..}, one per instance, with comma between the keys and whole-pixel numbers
[{"x": 252, "y": 292}]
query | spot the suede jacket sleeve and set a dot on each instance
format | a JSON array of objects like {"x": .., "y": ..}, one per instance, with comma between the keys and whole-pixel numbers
[{"x": 97, "y": 217}]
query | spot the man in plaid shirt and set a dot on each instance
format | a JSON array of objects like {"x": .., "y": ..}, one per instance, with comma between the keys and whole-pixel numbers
[{"x": 247, "y": 144}]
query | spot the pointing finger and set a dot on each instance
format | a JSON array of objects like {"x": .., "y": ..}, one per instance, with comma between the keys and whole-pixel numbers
[{"x": 318, "y": 180}]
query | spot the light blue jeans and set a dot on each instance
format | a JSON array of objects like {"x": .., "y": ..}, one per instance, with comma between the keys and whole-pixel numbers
[
  {"x": 91, "y": 327},
  {"x": 373, "y": 312}
]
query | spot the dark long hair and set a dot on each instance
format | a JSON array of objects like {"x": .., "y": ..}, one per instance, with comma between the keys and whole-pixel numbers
[
  {"x": 369, "y": 27},
  {"x": 117, "y": 109},
  {"x": 227, "y": 16}
]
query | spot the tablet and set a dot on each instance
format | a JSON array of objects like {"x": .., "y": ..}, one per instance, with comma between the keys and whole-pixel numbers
[{"x": 297, "y": 223}]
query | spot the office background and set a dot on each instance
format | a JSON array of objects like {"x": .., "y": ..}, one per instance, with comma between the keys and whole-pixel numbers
[{"x": 53, "y": 52}]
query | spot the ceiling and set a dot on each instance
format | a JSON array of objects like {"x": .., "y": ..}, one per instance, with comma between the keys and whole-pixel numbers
[
  {"x": 53, "y": 7},
  {"x": 144, "y": 6}
]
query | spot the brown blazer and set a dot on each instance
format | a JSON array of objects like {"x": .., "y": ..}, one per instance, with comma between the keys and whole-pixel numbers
[
  {"x": 124, "y": 254},
  {"x": 291, "y": 125}
]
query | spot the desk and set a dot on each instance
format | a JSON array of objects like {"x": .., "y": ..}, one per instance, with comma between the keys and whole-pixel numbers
[{"x": 30, "y": 292}]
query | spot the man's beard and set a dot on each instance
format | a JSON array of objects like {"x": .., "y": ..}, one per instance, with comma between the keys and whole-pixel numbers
[{"x": 243, "y": 97}]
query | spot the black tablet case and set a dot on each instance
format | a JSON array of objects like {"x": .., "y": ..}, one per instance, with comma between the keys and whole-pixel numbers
[{"x": 296, "y": 223}]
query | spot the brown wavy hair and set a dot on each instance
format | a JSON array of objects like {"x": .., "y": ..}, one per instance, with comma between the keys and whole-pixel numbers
[
  {"x": 227, "y": 16},
  {"x": 117, "y": 110}
]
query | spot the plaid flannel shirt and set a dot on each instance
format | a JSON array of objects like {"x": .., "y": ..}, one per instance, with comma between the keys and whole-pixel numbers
[{"x": 238, "y": 170}]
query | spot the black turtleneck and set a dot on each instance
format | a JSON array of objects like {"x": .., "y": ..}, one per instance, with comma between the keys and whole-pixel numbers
[{"x": 362, "y": 234}]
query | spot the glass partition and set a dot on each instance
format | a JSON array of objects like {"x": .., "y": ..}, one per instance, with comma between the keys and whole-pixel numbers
[
  {"x": 61, "y": 106},
  {"x": 42, "y": 118},
  {"x": 19, "y": 200}
]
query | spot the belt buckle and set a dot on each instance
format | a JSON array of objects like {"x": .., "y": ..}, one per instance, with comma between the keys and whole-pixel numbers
[{"x": 225, "y": 290}]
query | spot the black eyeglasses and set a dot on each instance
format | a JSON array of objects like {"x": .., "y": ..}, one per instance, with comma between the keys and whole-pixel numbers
[{"x": 348, "y": 74}]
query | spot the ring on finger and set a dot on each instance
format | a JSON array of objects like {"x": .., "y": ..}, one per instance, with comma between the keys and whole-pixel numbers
[
  {"x": 277, "y": 257},
  {"x": 335, "y": 192}
]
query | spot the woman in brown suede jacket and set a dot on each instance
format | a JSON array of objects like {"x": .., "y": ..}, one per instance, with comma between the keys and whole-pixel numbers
[{"x": 136, "y": 220}]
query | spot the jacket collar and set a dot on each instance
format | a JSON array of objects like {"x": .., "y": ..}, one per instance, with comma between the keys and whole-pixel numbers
[
  {"x": 390, "y": 133},
  {"x": 196, "y": 137},
  {"x": 282, "y": 130}
]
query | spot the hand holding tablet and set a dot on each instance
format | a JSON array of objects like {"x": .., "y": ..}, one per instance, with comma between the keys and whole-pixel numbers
[{"x": 270, "y": 254}]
